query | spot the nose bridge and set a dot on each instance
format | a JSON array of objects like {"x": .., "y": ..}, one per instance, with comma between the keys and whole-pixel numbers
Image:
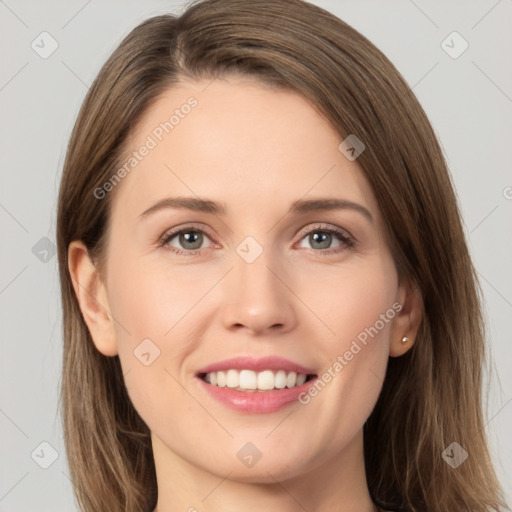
[
  {"x": 255, "y": 295},
  {"x": 254, "y": 275}
]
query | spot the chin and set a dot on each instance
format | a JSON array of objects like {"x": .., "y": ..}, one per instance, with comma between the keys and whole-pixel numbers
[{"x": 278, "y": 466}]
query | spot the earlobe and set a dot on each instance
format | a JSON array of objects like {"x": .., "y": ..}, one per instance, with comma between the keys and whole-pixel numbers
[
  {"x": 407, "y": 322},
  {"x": 92, "y": 298}
]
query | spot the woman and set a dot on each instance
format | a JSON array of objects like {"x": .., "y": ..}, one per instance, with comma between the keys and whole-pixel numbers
[{"x": 216, "y": 357}]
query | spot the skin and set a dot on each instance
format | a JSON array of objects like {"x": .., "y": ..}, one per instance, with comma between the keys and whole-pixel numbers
[{"x": 257, "y": 150}]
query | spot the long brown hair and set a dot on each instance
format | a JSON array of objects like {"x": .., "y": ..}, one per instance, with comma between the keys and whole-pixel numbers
[{"x": 432, "y": 395}]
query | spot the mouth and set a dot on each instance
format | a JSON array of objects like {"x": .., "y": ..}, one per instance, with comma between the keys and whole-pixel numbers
[
  {"x": 255, "y": 386},
  {"x": 250, "y": 381}
]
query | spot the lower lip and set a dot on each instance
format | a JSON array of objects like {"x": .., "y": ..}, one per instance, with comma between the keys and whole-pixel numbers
[{"x": 256, "y": 402}]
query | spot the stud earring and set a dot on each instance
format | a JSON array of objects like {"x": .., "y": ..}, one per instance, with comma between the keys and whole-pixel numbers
[{"x": 405, "y": 339}]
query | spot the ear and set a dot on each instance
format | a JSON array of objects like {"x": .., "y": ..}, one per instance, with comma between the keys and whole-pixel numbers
[
  {"x": 408, "y": 320},
  {"x": 92, "y": 298}
]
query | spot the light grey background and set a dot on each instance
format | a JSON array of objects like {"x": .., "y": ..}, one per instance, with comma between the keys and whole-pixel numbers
[{"x": 469, "y": 102}]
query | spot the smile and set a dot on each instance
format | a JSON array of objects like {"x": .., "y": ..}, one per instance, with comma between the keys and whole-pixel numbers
[
  {"x": 251, "y": 381},
  {"x": 255, "y": 386}
]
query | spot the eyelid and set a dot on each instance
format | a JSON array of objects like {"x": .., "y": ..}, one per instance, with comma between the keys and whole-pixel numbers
[
  {"x": 192, "y": 226},
  {"x": 322, "y": 226}
]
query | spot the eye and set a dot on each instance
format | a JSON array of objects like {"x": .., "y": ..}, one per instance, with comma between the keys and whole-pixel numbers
[
  {"x": 188, "y": 240},
  {"x": 320, "y": 239}
]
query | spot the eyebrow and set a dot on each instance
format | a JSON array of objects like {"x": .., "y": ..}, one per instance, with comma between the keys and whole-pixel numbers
[{"x": 301, "y": 206}]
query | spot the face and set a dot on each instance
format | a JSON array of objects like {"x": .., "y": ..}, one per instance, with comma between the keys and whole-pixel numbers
[{"x": 246, "y": 271}]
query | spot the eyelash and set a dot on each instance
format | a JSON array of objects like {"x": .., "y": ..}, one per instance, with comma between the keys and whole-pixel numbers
[{"x": 347, "y": 242}]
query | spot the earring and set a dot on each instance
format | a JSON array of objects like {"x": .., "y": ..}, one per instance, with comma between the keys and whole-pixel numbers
[{"x": 405, "y": 339}]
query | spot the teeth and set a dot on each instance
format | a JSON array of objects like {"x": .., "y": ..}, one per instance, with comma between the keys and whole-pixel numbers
[
  {"x": 281, "y": 380},
  {"x": 221, "y": 379},
  {"x": 232, "y": 379},
  {"x": 301, "y": 378},
  {"x": 248, "y": 380}
]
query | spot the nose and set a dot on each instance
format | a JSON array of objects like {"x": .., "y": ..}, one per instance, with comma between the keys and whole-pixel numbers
[{"x": 258, "y": 298}]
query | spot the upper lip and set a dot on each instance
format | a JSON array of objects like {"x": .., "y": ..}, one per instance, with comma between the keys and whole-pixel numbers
[{"x": 257, "y": 365}]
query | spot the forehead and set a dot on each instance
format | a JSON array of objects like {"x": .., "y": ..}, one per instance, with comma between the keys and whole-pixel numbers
[{"x": 238, "y": 141}]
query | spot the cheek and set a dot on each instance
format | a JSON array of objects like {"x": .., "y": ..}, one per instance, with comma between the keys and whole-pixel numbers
[
  {"x": 151, "y": 307},
  {"x": 352, "y": 299},
  {"x": 359, "y": 313},
  {"x": 148, "y": 299}
]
